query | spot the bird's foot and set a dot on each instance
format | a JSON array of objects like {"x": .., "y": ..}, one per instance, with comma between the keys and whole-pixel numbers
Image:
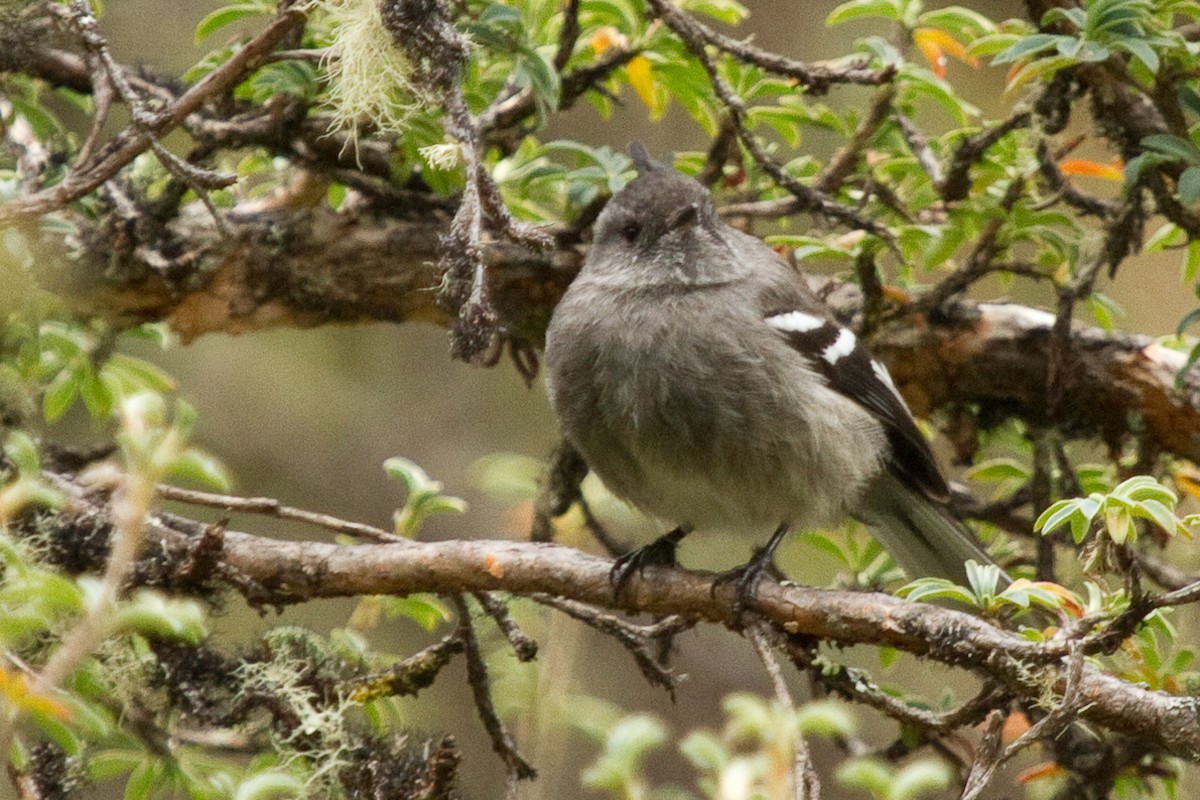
[
  {"x": 746, "y": 578},
  {"x": 660, "y": 552}
]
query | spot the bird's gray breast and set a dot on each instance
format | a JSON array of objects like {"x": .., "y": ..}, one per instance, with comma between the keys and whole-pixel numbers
[{"x": 697, "y": 415}]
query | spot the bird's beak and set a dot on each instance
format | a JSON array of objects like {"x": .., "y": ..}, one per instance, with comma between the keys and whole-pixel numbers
[{"x": 683, "y": 216}]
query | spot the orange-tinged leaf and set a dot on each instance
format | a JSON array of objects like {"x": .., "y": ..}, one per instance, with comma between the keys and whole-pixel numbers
[
  {"x": 1112, "y": 171},
  {"x": 1015, "y": 724},
  {"x": 15, "y": 689},
  {"x": 642, "y": 81},
  {"x": 1187, "y": 480},
  {"x": 1068, "y": 600},
  {"x": 897, "y": 295},
  {"x": 1047, "y": 769},
  {"x": 935, "y": 44},
  {"x": 607, "y": 37}
]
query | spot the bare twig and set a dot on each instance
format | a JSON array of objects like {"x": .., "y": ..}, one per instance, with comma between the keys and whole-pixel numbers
[
  {"x": 1056, "y": 720},
  {"x": 637, "y": 639},
  {"x": 815, "y": 77},
  {"x": 525, "y": 647},
  {"x": 271, "y": 507},
  {"x": 477, "y": 675},
  {"x": 806, "y": 785},
  {"x": 133, "y": 141}
]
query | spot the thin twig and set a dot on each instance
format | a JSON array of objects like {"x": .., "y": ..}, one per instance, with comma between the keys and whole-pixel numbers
[
  {"x": 1055, "y": 721},
  {"x": 517, "y": 767},
  {"x": 815, "y": 77},
  {"x": 522, "y": 644},
  {"x": 270, "y": 507},
  {"x": 132, "y": 141},
  {"x": 806, "y": 784},
  {"x": 637, "y": 639}
]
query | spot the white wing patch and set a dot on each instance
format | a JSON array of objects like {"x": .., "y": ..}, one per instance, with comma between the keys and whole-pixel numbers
[
  {"x": 795, "y": 322},
  {"x": 885, "y": 378},
  {"x": 842, "y": 346}
]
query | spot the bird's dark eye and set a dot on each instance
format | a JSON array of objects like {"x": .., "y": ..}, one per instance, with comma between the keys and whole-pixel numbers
[{"x": 630, "y": 231}]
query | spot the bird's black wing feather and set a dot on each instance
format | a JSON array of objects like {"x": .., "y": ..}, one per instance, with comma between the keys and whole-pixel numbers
[{"x": 835, "y": 353}]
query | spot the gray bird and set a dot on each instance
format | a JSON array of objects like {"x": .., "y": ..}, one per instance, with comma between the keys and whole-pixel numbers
[{"x": 707, "y": 386}]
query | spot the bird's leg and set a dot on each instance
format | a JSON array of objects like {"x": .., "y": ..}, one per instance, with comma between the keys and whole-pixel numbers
[
  {"x": 747, "y": 577},
  {"x": 660, "y": 552}
]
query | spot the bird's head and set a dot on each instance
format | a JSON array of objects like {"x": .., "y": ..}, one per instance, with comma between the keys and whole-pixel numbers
[{"x": 656, "y": 227}]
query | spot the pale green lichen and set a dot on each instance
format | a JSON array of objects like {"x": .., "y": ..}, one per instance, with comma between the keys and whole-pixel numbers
[{"x": 370, "y": 80}]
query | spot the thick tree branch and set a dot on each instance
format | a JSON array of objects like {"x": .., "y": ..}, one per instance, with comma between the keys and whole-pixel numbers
[
  {"x": 302, "y": 269},
  {"x": 309, "y": 570}
]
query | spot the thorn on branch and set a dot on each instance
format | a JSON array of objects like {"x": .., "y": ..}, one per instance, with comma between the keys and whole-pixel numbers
[{"x": 477, "y": 675}]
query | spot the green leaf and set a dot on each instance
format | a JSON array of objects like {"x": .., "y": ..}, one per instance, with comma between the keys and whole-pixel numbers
[
  {"x": 1140, "y": 50},
  {"x": 937, "y": 589},
  {"x": 996, "y": 470},
  {"x": 1028, "y": 45},
  {"x": 1189, "y": 186},
  {"x": 1042, "y": 67},
  {"x": 1054, "y": 516},
  {"x": 60, "y": 394},
  {"x": 96, "y": 396},
  {"x": 1161, "y": 516},
  {"x": 22, "y": 451},
  {"x": 1165, "y": 143},
  {"x": 826, "y": 718},
  {"x": 427, "y": 610},
  {"x": 918, "y": 778},
  {"x": 1191, "y": 262},
  {"x": 224, "y": 17},
  {"x": 1168, "y": 235},
  {"x": 872, "y": 775},
  {"x": 1144, "y": 487},
  {"x": 861, "y": 9},
  {"x": 964, "y": 22},
  {"x": 145, "y": 776},
  {"x": 200, "y": 468},
  {"x": 268, "y": 786},
  {"x": 730, "y": 12}
]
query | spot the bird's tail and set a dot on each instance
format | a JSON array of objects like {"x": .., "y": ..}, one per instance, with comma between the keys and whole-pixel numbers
[{"x": 923, "y": 537}]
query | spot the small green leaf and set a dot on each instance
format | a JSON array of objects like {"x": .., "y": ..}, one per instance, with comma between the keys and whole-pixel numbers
[
  {"x": 996, "y": 470},
  {"x": 861, "y": 9},
  {"x": 826, "y": 718},
  {"x": 200, "y": 468},
  {"x": 22, "y": 451},
  {"x": 60, "y": 394},
  {"x": 268, "y": 786},
  {"x": 937, "y": 589},
  {"x": 1191, "y": 262},
  {"x": 1028, "y": 45},
  {"x": 1189, "y": 185},
  {"x": 872, "y": 775},
  {"x": 224, "y": 17},
  {"x": 918, "y": 778},
  {"x": 1182, "y": 149}
]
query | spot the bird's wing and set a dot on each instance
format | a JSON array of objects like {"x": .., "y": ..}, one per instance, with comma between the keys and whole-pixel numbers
[{"x": 835, "y": 352}]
